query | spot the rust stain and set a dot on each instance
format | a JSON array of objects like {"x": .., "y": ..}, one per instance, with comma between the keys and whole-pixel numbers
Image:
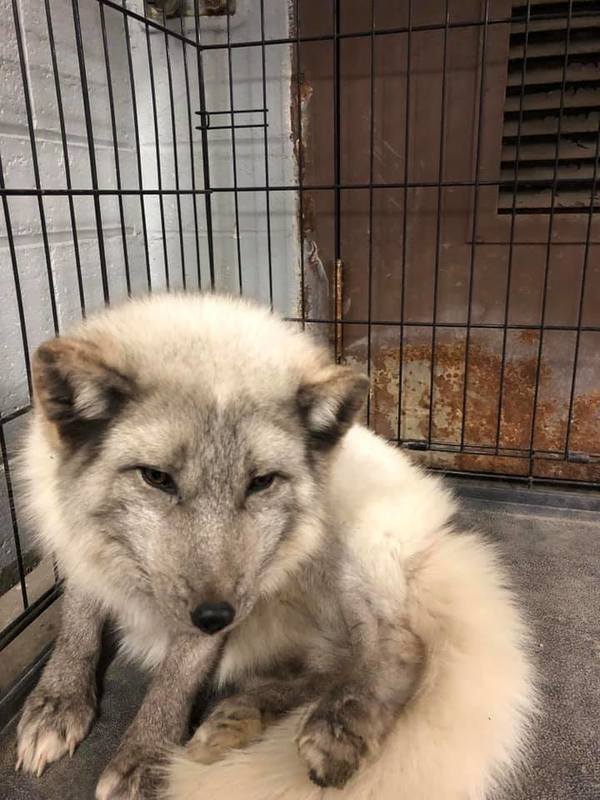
[
  {"x": 482, "y": 402},
  {"x": 317, "y": 295},
  {"x": 517, "y": 402},
  {"x": 301, "y": 92},
  {"x": 470, "y": 462},
  {"x": 384, "y": 391},
  {"x": 546, "y": 468},
  {"x": 530, "y": 336},
  {"x": 585, "y": 425},
  {"x": 448, "y": 393}
]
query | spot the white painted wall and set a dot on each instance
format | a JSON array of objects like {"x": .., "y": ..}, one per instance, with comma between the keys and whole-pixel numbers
[{"x": 25, "y": 219}]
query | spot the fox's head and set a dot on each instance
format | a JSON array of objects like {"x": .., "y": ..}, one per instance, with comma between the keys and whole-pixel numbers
[{"x": 189, "y": 439}]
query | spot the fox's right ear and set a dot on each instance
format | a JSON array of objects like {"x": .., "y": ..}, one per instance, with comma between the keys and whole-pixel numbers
[
  {"x": 75, "y": 386},
  {"x": 330, "y": 402}
]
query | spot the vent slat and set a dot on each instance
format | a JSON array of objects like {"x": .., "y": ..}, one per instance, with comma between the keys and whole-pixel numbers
[
  {"x": 538, "y": 74},
  {"x": 573, "y": 98},
  {"x": 544, "y": 88},
  {"x": 553, "y": 7},
  {"x": 581, "y": 139},
  {"x": 558, "y": 23},
  {"x": 540, "y": 202},
  {"x": 580, "y": 41},
  {"x": 541, "y": 151},
  {"x": 566, "y": 171},
  {"x": 576, "y": 123},
  {"x": 543, "y": 113},
  {"x": 553, "y": 62}
]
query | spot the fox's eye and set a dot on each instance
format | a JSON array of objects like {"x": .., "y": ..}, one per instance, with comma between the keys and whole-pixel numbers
[
  {"x": 260, "y": 483},
  {"x": 158, "y": 479}
]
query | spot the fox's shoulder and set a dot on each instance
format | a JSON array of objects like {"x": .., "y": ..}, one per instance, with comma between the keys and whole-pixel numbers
[{"x": 387, "y": 508}]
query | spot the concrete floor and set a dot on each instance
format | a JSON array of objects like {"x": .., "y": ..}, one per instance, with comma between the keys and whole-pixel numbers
[{"x": 555, "y": 556}]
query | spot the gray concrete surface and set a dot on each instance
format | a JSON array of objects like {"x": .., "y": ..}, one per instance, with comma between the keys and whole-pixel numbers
[{"x": 555, "y": 557}]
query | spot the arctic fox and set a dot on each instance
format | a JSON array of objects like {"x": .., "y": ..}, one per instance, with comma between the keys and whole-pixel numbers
[{"x": 195, "y": 467}]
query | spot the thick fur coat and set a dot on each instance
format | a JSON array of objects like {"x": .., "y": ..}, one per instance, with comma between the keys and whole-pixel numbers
[{"x": 193, "y": 451}]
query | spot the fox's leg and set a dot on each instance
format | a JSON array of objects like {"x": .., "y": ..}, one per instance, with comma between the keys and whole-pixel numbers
[
  {"x": 59, "y": 712},
  {"x": 351, "y": 720},
  {"x": 135, "y": 771},
  {"x": 240, "y": 719}
]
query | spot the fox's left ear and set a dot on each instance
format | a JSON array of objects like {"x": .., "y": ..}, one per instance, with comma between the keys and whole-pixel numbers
[
  {"x": 330, "y": 402},
  {"x": 78, "y": 387}
]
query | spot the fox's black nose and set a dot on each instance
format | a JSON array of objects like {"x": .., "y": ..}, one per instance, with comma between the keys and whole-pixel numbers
[{"x": 212, "y": 617}]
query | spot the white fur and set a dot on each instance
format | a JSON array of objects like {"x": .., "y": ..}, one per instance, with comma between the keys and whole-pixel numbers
[
  {"x": 466, "y": 727},
  {"x": 465, "y": 731}
]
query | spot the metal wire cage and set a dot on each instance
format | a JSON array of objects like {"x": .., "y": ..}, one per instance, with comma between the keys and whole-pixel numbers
[{"x": 414, "y": 182}]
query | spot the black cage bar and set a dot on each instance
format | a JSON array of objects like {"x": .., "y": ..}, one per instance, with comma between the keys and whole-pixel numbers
[{"x": 439, "y": 198}]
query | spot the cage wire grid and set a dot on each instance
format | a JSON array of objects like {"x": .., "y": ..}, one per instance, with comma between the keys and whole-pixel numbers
[{"x": 332, "y": 319}]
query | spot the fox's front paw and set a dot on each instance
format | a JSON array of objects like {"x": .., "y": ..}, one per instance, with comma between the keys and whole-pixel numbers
[
  {"x": 135, "y": 773},
  {"x": 331, "y": 749},
  {"x": 233, "y": 724},
  {"x": 52, "y": 725}
]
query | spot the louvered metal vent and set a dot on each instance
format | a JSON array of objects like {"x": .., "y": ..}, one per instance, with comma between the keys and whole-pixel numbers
[{"x": 550, "y": 145}]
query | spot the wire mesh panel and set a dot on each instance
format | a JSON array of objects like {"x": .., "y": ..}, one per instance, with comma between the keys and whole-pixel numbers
[
  {"x": 455, "y": 218},
  {"x": 414, "y": 182},
  {"x": 139, "y": 142}
]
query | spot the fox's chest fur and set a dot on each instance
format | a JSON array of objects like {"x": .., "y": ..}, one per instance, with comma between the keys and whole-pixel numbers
[{"x": 278, "y": 632}]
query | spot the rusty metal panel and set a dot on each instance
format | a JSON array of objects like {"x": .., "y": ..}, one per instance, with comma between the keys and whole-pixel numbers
[{"x": 479, "y": 328}]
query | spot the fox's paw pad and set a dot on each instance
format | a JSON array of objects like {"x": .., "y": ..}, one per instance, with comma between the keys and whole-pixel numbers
[
  {"x": 330, "y": 749},
  {"x": 51, "y": 726},
  {"x": 232, "y": 725},
  {"x": 135, "y": 773}
]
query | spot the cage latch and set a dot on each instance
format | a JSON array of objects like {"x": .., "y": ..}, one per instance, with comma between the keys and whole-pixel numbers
[{"x": 206, "y": 121}]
